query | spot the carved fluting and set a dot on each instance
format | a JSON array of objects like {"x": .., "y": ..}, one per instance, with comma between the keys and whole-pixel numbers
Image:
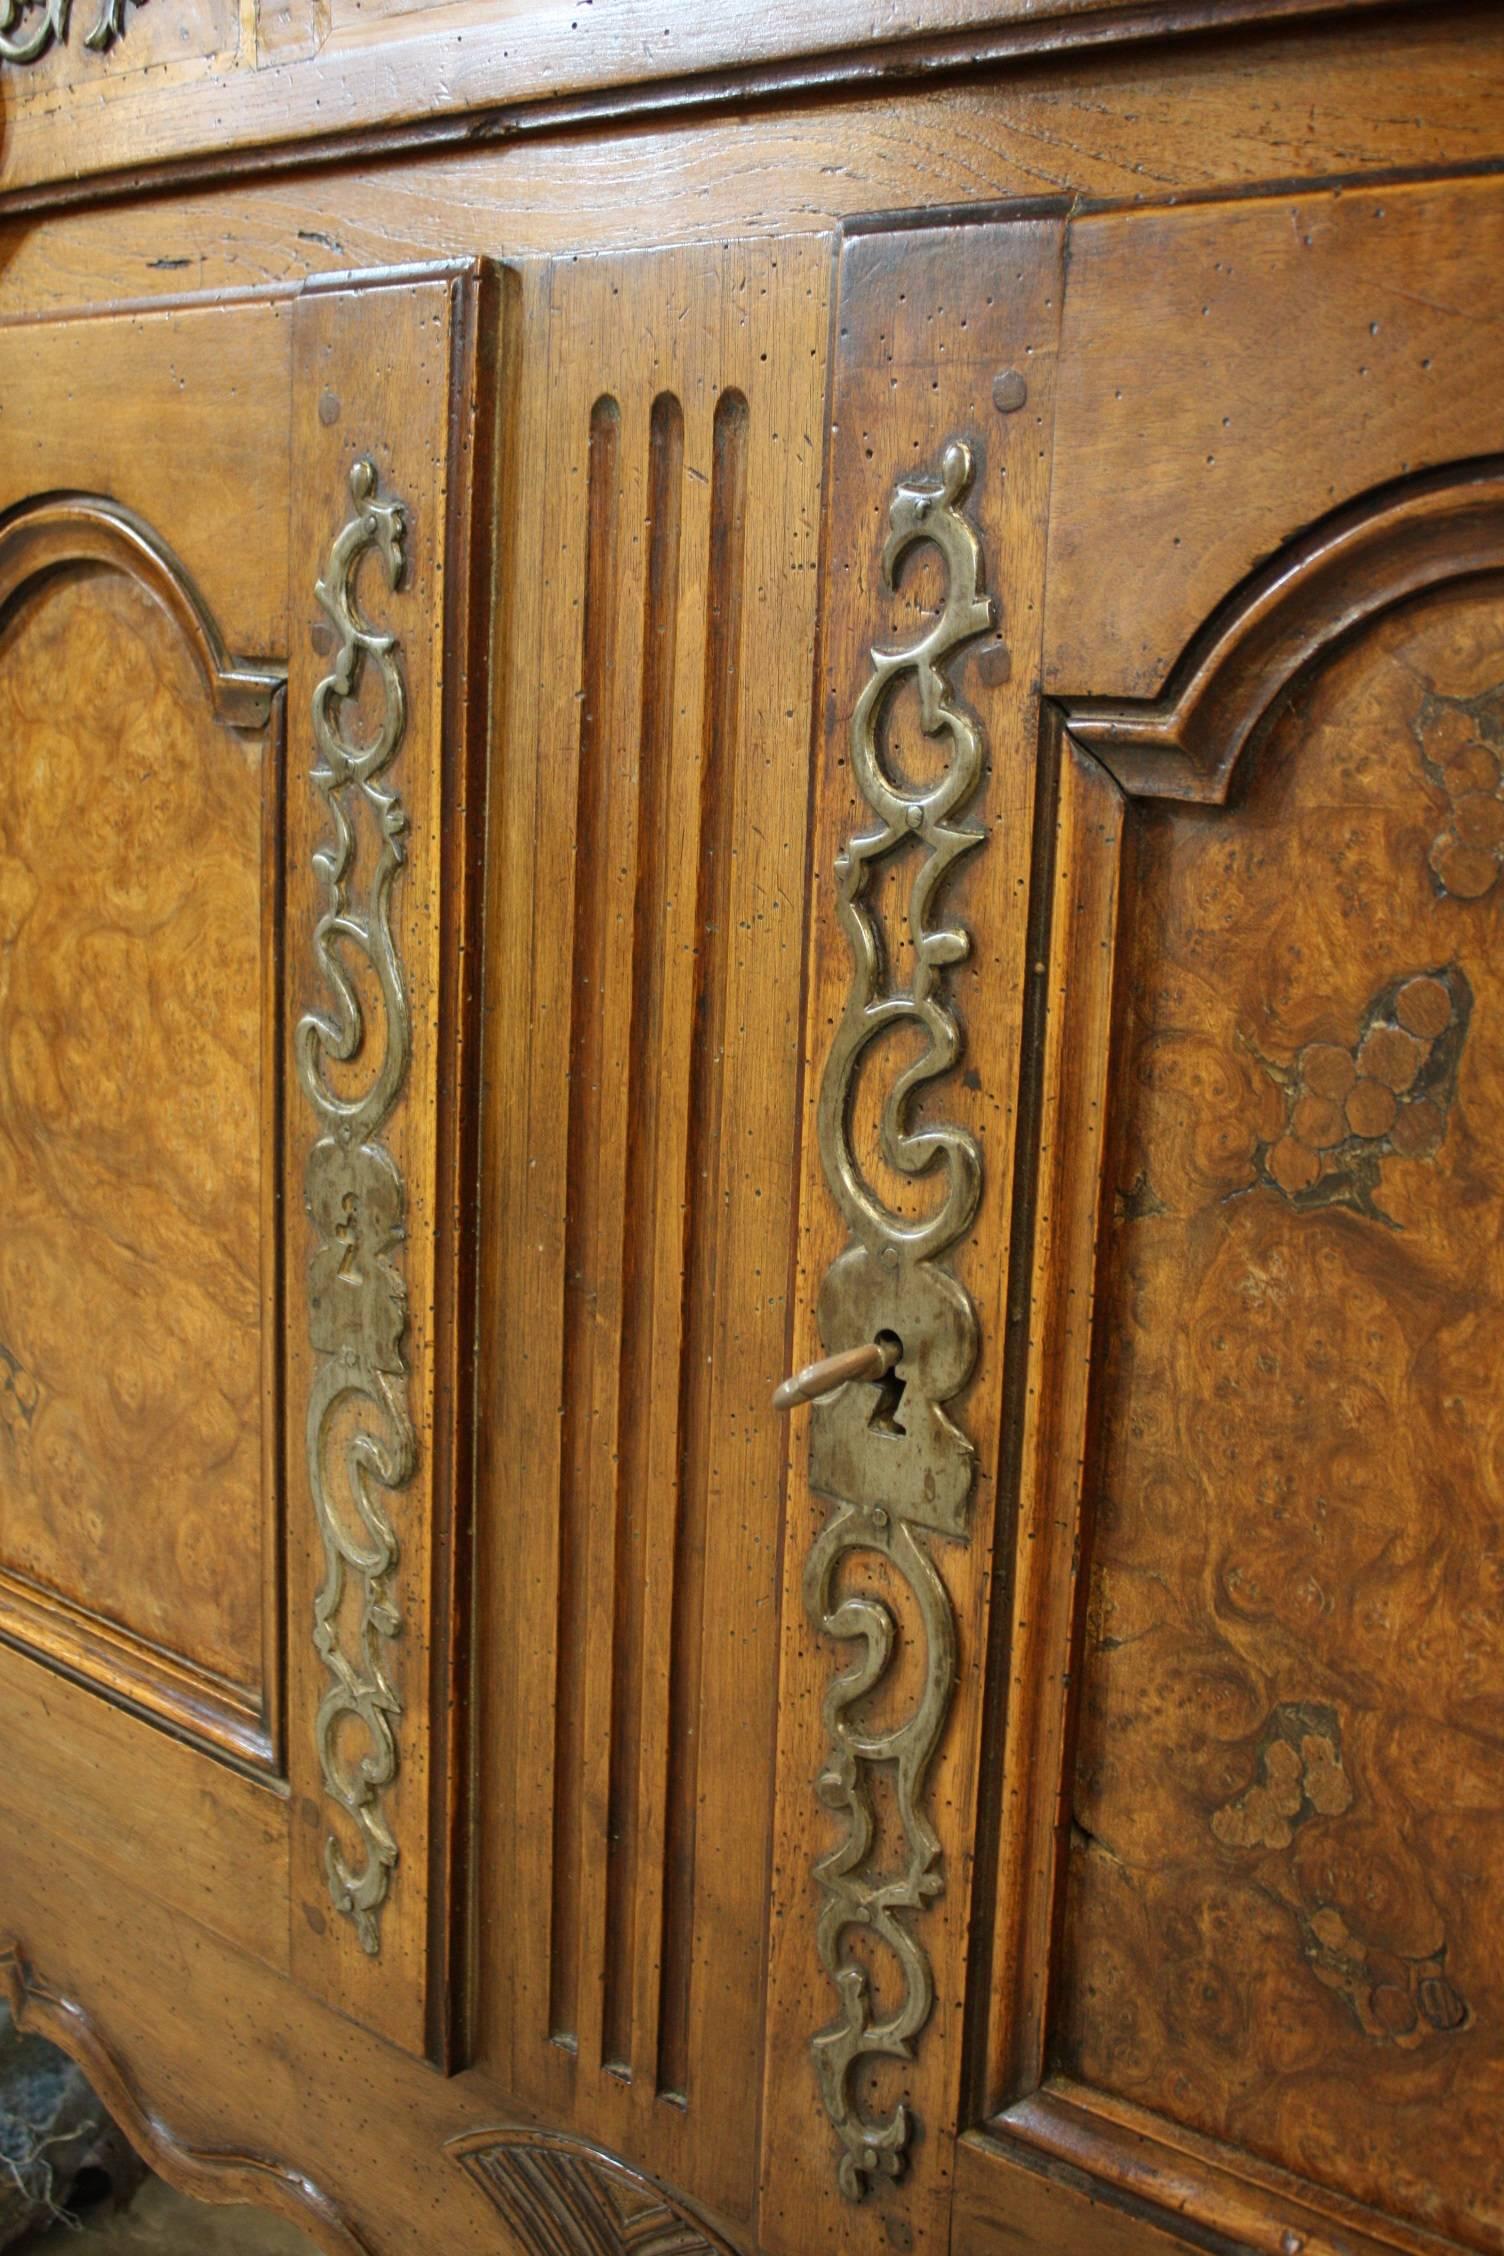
[
  {"x": 362, "y": 1449},
  {"x": 895, "y": 1471},
  {"x": 29, "y": 27},
  {"x": 562, "y": 2197}
]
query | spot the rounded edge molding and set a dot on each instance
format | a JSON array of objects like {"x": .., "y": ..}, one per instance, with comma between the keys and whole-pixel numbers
[
  {"x": 1389, "y": 546},
  {"x": 211, "y": 2174},
  {"x": 54, "y": 532}
]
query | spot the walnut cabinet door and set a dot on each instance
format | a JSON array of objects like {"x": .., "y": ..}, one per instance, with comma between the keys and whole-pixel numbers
[
  {"x": 908, "y": 817},
  {"x": 1237, "y": 1979},
  {"x": 1050, "y": 1765},
  {"x": 235, "y": 555}
]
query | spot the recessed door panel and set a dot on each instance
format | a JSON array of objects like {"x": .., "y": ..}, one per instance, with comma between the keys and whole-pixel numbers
[
  {"x": 1243, "y": 1973},
  {"x": 1289, "y": 1772},
  {"x": 137, "y": 1340},
  {"x": 234, "y": 982}
]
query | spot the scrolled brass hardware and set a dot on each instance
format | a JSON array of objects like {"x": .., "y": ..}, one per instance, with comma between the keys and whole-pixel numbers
[
  {"x": 816, "y": 1379},
  {"x": 358, "y": 1409},
  {"x": 23, "y": 43},
  {"x": 895, "y": 1471}
]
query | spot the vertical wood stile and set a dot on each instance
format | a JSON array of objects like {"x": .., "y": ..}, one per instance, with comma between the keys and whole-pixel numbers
[
  {"x": 643, "y": 1068},
  {"x": 927, "y": 321},
  {"x": 525, "y": 1105}
]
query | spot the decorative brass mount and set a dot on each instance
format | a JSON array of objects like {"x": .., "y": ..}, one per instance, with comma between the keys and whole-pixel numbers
[
  {"x": 902, "y": 1335},
  {"x": 362, "y": 1448},
  {"x": 24, "y": 42}
]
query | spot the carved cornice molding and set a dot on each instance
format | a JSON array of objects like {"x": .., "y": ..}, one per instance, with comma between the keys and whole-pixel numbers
[{"x": 358, "y": 1412}]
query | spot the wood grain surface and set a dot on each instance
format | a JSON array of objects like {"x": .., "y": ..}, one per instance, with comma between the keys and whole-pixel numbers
[
  {"x": 925, "y": 322},
  {"x": 642, "y": 1080},
  {"x": 1006, "y": 2206},
  {"x": 397, "y": 371},
  {"x": 180, "y": 415},
  {"x": 745, "y": 270},
  {"x": 1288, "y": 1782},
  {"x": 211, "y": 1849},
  {"x": 1378, "y": 299},
  {"x": 322, "y": 69},
  {"x": 1144, "y": 124},
  {"x": 133, "y": 994}
]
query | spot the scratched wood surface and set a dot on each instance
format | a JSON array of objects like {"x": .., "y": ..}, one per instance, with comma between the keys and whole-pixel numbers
[
  {"x": 1378, "y": 298},
  {"x": 180, "y": 415},
  {"x": 915, "y": 365},
  {"x": 396, "y": 374},
  {"x": 1144, "y": 123},
  {"x": 1290, "y": 1779},
  {"x": 317, "y": 70}
]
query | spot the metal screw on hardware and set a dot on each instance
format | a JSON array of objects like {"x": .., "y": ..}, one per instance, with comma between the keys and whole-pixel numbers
[{"x": 873, "y": 1361}]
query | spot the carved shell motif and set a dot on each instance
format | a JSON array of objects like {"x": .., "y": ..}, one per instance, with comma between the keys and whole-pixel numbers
[{"x": 564, "y": 2197}]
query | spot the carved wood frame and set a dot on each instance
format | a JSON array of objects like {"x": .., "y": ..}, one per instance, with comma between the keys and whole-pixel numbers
[
  {"x": 40, "y": 538},
  {"x": 1398, "y": 542},
  {"x": 212, "y": 2174},
  {"x": 1441, "y": 530}
]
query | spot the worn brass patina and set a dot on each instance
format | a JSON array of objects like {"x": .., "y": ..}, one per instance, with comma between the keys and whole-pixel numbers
[
  {"x": 361, "y": 1445},
  {"x": 893, "y": 1464},
  {"x": 29, "y": 27}
]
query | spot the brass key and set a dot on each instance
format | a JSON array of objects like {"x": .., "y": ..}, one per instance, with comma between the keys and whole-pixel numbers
[{"x": 873, "y": 1361}]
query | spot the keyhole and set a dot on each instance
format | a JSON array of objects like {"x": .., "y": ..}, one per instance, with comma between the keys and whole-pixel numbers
[
  {"x": 884, "y": 1418},
  {"x": 347, "y": 1234}
]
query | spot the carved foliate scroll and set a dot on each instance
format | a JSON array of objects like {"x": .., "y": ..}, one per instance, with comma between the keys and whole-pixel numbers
[
  {"x": 29, "y": 27},
  {"x": 894, "y": 1466},
  {"x": 352, "y": 1059}
]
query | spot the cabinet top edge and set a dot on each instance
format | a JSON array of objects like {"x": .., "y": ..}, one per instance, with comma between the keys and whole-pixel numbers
[{"x": 460, "y": 74}]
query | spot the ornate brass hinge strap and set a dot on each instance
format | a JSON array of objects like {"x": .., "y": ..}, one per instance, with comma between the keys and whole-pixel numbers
[
  {"x": 29, "y": 27},
  {"x": 362, "y": 1448},
  {"x": 895, "y": 1470}
]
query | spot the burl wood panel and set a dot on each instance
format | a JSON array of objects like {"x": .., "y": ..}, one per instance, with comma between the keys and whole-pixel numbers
[
  {"x": 1290, "y": 1788},
  {"x": 132, "y": 1104}
]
